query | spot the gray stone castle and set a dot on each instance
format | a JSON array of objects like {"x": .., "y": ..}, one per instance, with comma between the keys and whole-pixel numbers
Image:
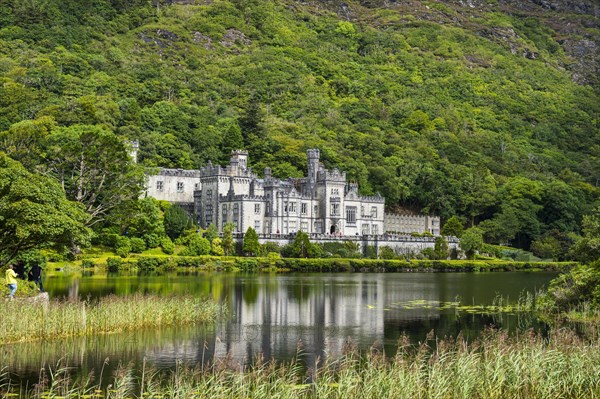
[{"x": 322, "y": 203}]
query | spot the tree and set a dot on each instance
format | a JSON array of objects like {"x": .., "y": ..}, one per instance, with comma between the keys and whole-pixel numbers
[
  {"x": 587, "y": 248},
  {"x": 216, "y": 247},
  {"x": 176, "y": 221},
  {"x": 453, "y": 227},
  {"x": 478, "y": 192},
  {"x": 34, "y": 213},
  {"x": 228, "y": 243},
  {"x": 94, "y": 168},
  {"x": 386, "y": 252},
  {"x": 197, "y": 245},
  {"x": 211, "y": 232},
  {"x": 502, "y": 228},
  {"x": 251, "y": 247},
  {"x": 471, "y": 241},
  {"x": 546, "y": 247},
  {"x": 440, "y": 250},
  {"x": 232, "y": 136},
  {"x": 301, "y": 247},
  {"x": 138, "y": 218}
]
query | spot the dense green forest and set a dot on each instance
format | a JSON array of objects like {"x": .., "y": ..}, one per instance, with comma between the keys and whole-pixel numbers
[{"x": 479, "y": 109}]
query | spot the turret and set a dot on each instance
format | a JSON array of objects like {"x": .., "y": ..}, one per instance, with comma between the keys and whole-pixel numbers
[
  {"x": 313, "y": 164},
  {"x": 239, "y": 158}
]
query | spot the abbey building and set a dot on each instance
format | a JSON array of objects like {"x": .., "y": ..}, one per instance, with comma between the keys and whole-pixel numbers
[{"x": 322, "y": 203}]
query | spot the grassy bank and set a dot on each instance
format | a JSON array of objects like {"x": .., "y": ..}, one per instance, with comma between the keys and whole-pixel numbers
[
  {"x": 231, "y": 263},
  {"x": 23, "y": 320},
  {"x": 561, "y": 365}
]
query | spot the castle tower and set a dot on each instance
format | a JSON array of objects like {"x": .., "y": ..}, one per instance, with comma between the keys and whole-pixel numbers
[
  {"x": 313, "y": 165},
  {"x": 239, "y": 158}
]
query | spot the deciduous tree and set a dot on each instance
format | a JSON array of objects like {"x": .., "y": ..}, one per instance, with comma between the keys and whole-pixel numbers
[
  {"x": 34, "y": 213},
  {"x": 251, "y": 247}
]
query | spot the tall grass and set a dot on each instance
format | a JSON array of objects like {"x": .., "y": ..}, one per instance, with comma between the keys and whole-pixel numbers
[
  {"x": 26, "y": 321},
  {"x": 561, "y": 365}
]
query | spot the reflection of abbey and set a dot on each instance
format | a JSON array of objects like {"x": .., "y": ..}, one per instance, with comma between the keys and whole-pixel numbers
[{"x": 321, "y": 203}]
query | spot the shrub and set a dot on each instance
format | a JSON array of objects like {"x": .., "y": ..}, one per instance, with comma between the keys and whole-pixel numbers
[
  {"x": 270, "y": 246},
  {"x": 216, "y": 248},
  {"x": 176, "y": 221},
  {"x": 138, "y": 245},
  {"x": 167, "y": 246},
  {"x": 386, "y": 252},
  {"x": 151, "y": 263},
  {"x": 114, "y": 264},
  {"x": 87, "y": 264},
  {"x": 198, "y": 245},
  {"x": 571, "y": 290},
  {"x": 122, "y": 246},
  {"x": 247, "y": 264},
  {"x": 152, "y": 240}
]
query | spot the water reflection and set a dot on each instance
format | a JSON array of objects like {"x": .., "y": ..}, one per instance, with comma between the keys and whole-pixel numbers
[{"x": 272, "y": 313}]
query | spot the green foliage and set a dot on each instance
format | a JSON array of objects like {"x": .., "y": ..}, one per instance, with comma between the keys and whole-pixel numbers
[
  {"x": 176, "y": 221},
  {"x": 587, "y": 248},
  {"x": 114, "y": 264},
  {"x": 471, "y": 241},
  {"x": 216, "y": 247},
  {"x": 440, "y": 250},
  {"x": 30, "y": 258},
  {"x": 123, "y": 246},
  {"x": 547, "y": 247},
  {"x": 386, "y": 252},
  {"x": 336, "y": 249},
  {"x": 571, "y": 291},
  {"x": 301, "y": 247},
  {"x": 93, "y": 165},
  {"x": 197, "y": 245},
  {"x": 211, "y": 232},
  {"x": 167, "y": 246},
  {"x": 35, "y": 214},
  {"x": 138, "y": 245},
  {"x": 452, "y": 227},
  {"x": 251, "y": 247},
  {"x": 88, "y": 264},
  {"x": 228, "y": 244},
  {"x": 152, "y": 240},
  {"x": 270, "y": 247},
  {"x": 140, "y": 218},
  {"x": 443, "y": 118}
]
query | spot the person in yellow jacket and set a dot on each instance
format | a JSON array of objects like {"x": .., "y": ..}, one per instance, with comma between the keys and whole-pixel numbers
[{"x": 11, "y": 281}]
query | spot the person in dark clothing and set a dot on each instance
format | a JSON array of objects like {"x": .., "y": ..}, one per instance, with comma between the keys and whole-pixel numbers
[{"x": 35, "y": 274}]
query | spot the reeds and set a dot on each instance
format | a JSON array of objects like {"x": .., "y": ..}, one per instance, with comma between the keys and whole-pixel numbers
[
  {"x": 561, "y": 365},
  {"x": 26, "y": 321}
]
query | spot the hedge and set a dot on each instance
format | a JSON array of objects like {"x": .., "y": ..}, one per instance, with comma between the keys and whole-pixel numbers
[{"x": 228, "y": 263}]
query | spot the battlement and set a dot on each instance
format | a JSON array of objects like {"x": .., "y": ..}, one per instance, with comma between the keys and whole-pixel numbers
[
  {"x": 334, "y": 175},
  {"x": 374, "y": 198},
  {"x": 211, "y": 170},
  {"x": 242, "y": 197},
  {"x": 179, "y": 172}
]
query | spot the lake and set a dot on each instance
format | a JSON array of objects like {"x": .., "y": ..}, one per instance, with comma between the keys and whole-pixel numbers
[{"x": 278, "y": 315}]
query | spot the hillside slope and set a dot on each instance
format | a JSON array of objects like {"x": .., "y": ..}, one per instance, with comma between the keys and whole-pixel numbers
[{"x": 481, "y": 108}]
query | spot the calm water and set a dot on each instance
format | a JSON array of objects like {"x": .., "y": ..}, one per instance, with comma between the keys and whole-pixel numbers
[{"x": 275, "y": 314}]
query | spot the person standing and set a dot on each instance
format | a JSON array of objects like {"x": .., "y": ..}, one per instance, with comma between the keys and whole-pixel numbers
[
  {"x": 11, "y": 281},
  {"x": 35, "y": 275}
]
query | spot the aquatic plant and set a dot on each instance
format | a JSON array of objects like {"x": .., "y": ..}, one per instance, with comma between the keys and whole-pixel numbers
[
  {"x": 25, "y": 320},
  {"x": 495, "y": 365}
]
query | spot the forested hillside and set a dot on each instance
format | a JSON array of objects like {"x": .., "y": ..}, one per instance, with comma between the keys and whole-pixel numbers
[{"x": 488, "y": 110}]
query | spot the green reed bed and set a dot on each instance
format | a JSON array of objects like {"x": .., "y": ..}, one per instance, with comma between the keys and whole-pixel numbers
[
  {"x": 25, "y": 321},
  {"x": 561, "y": 365}
]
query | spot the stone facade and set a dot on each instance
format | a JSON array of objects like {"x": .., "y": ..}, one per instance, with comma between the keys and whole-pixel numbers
[
  {"x": 407, "y": 224},
  {"x": 322, "y": 203}
]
